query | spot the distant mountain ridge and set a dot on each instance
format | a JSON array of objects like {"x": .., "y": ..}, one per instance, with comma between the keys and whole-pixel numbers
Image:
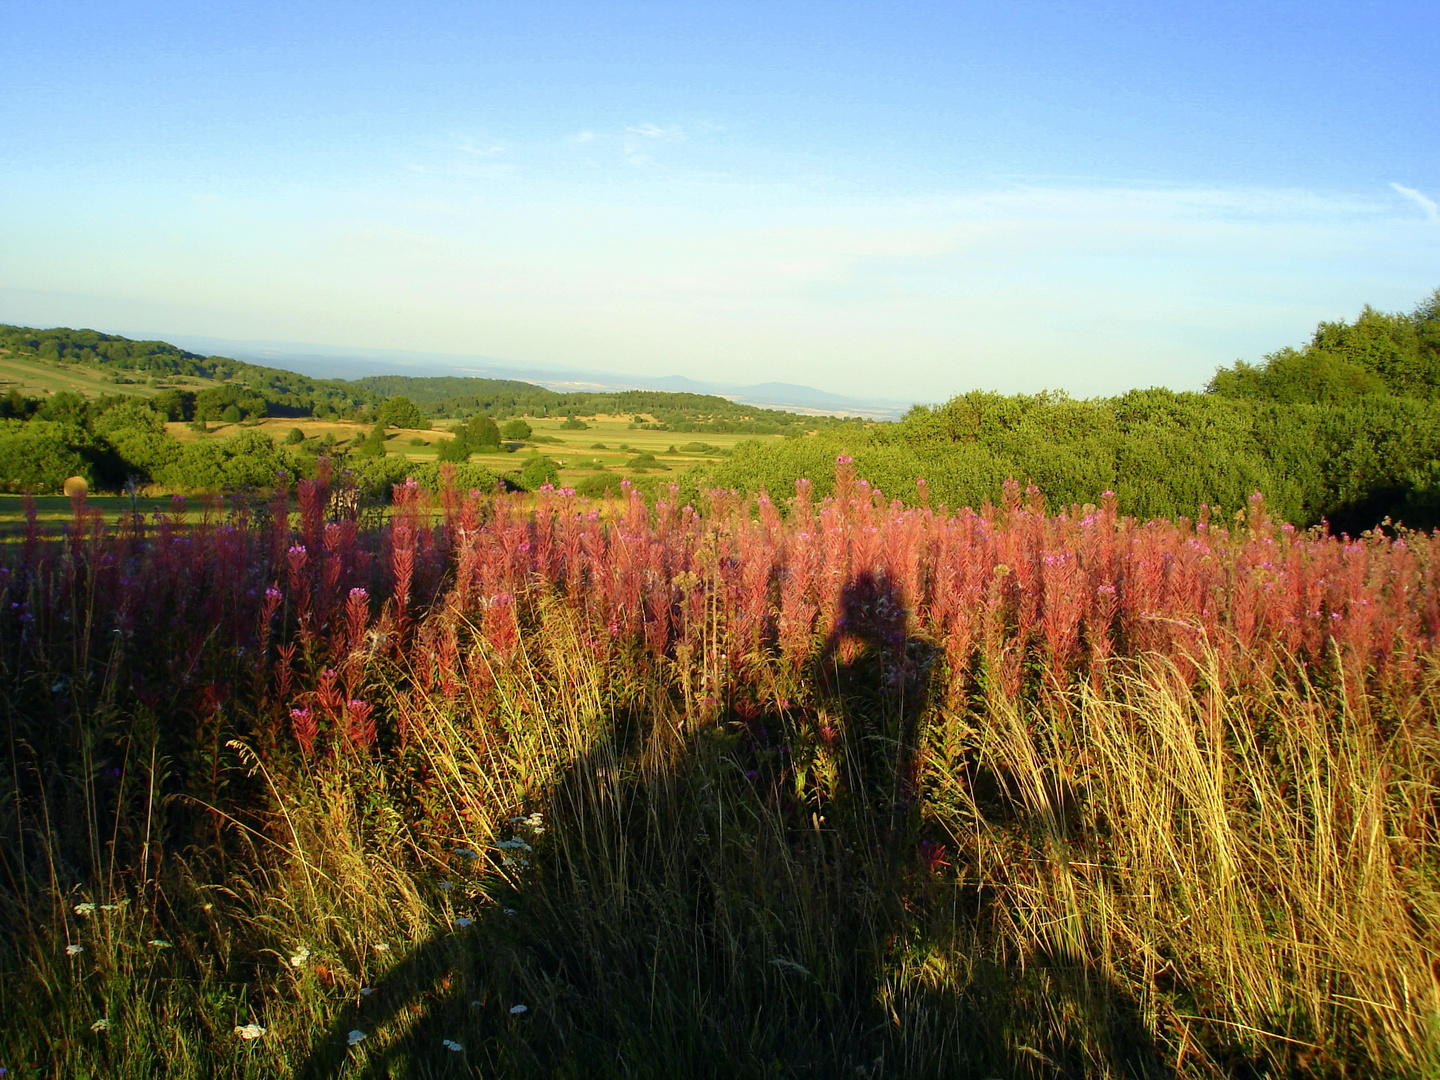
[{"x": 340, "y": 362}]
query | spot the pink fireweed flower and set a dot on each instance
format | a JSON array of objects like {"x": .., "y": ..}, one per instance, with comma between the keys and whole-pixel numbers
[
  {"x": 305, "y": 728},
  {"x": 357, "y": 615}
]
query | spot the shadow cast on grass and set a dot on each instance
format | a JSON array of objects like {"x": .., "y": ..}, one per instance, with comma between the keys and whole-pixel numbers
[{"x": 754, "y": 897}]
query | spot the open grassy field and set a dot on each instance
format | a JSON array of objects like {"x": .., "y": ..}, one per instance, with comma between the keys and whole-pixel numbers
[
  {"x": 53, "y": 511},
  {"x": 610, "y": 443},
  {"x": 503, "y": 787}
]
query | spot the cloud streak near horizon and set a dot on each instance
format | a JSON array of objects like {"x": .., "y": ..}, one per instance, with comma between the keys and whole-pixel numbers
[
  {"x": 1426, "y": 205},
  {"x": 1092, "y": 289}
]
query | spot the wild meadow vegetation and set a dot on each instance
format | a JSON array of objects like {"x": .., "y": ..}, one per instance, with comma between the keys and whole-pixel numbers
[
  {"x": 1344, "y": 430},
  {"x": 511, "y": 785}
]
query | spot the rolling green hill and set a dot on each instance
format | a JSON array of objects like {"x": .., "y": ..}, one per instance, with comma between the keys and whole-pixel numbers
[{"x": 93, "y": 363}]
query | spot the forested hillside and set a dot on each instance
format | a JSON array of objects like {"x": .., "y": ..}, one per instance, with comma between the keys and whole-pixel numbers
[
  {"x": 258, "y": 390},
  {"x": 263, "y": 391},
  {"x": 453, "y": 396},
  {"x": 117, "y": 437}
]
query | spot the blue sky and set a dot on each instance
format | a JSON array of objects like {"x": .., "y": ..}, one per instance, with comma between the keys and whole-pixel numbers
[{"x": 904, "y": 200}]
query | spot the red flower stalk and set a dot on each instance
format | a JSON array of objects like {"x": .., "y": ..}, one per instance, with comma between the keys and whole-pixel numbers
[
  {"x": 295, "y": 560},
  {"x": 1063, "y": 607},
  {"x": 402, "y": 569},
  {"x": 357, "y": 618},
  {"x": 500, "y": 626},
  {"x": 305, "y": 728},
  {"x": 267, "y": 613},
  {"x": 359, "y": 724},
  {"x": 329, "y": 696}
]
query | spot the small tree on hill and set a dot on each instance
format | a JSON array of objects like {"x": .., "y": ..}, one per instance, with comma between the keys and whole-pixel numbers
[
  {"x": 455, "y": 450},
  {"x": 401, "y": 412},
  {"x": 538, "y": 471},
  {"x": 374, "y": 444},
  {"x": 481, "y": 434}
]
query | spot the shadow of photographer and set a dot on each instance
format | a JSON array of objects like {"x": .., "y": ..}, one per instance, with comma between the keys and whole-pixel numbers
[{"x": 691, "y": 912}]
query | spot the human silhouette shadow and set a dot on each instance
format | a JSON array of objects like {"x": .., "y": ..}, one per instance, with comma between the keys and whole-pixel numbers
[{"x": 688, "y": 914}]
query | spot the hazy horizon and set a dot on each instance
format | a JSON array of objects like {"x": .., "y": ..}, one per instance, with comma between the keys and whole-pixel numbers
[{"x": 903, "y": 203}]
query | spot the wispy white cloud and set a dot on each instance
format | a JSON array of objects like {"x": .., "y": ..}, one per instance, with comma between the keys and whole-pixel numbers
[
  {"x": 650, "y": 131},
  {"x": 468, "y": 146},
  {"x": 1431, "y": 211}
]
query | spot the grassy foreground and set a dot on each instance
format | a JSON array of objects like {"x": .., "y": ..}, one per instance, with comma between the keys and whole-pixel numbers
[{"x": 858, "y": 790}]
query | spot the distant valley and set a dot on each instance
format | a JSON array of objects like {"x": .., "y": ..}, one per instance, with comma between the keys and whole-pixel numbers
[{"x": 338, "y": 362}]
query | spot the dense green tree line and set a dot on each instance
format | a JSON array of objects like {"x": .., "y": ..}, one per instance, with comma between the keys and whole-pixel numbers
[
  {"x": 1379, "y": 353},
  {"x": 112, "y": 439},
  {"x": 1345, "y": 430}
]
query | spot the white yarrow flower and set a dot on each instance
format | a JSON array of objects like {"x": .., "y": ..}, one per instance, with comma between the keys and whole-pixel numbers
[
  {"x": 299, "y": 957},
  {"x": 249, "y": 1031},
  {"x": 356, "y": 1036},
  {"x": 103, "y": 1024},
  {"x": 74, "y": 950},
  {"x": 466, "y": 853},
  {"x": 463, "y": 922},
  {"x": 366, "y": 991},
  {"x": 516, "y": 1010},
  {"x": 159, "y": 943},
  {"x": 85, "y": 909},
  {"x": 451, "y": 1044}
]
